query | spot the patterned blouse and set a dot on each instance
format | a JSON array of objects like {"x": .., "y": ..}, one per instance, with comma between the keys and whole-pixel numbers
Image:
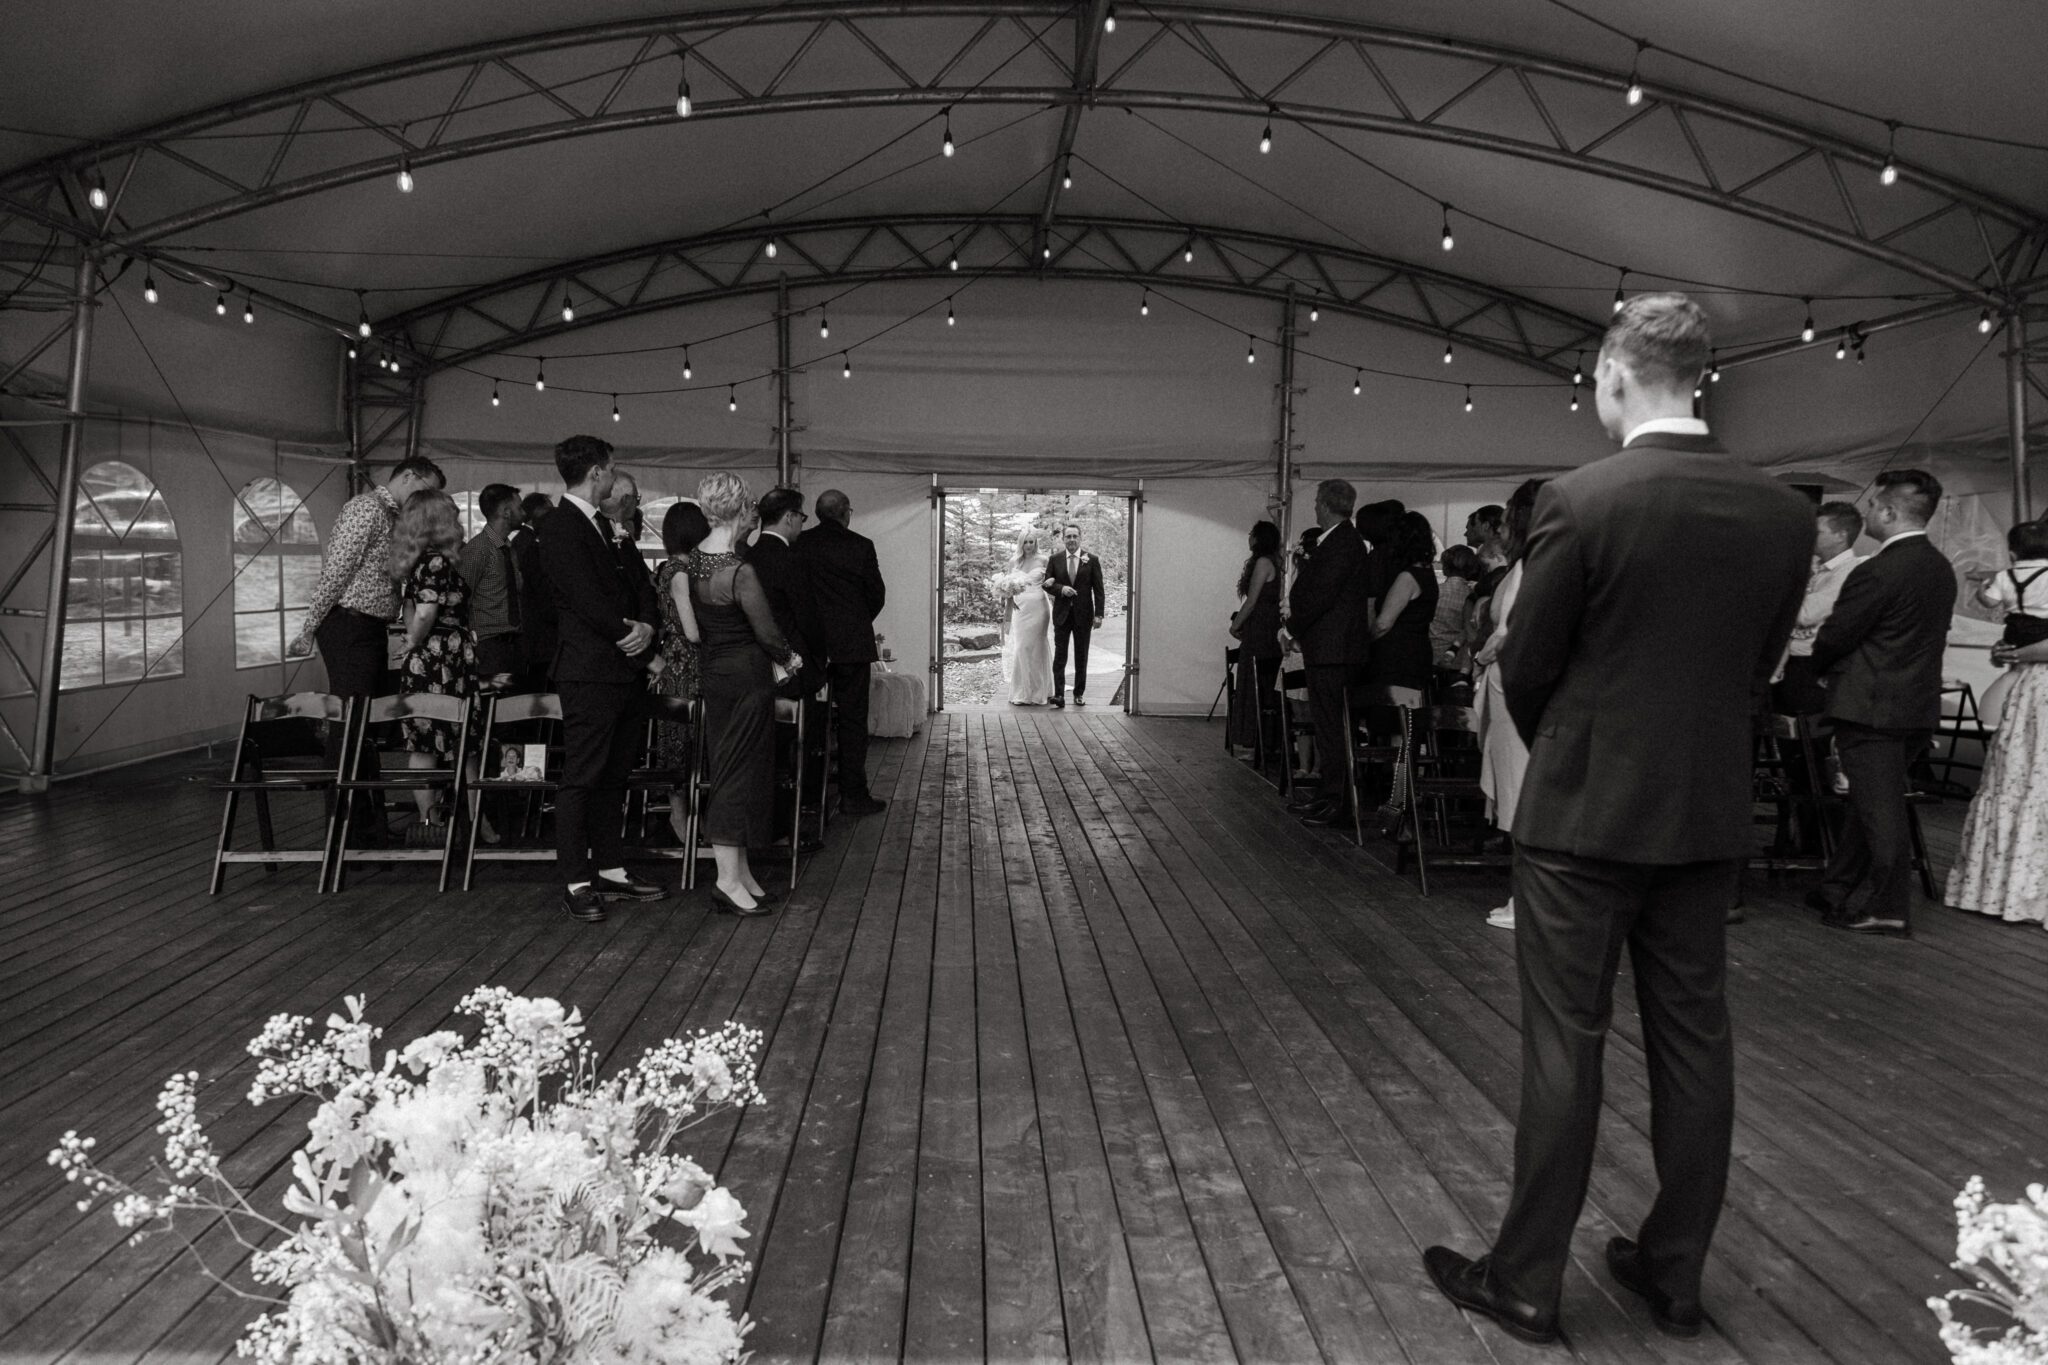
[{"x": 356, "y": 571}]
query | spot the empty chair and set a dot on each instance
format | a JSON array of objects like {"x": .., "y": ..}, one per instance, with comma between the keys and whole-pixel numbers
[
  {"x": 543, "y": 712},
  {"x": 446, "y": 780},
  {"x": 278, "y": 751}
]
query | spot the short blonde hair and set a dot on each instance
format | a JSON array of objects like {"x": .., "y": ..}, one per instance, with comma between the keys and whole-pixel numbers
[{"x": 725, "y": 498}]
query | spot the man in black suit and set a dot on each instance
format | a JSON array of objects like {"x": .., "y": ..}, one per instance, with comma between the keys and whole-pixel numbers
[
  {"x": 1326, "y": 612},
  {"x": 1880, "y": 655},
  {"x": 786, "y": 579},
  {"x": 537, "y": 608},
  {"x": 1630, "y": 671},
  {"x": 622, "y": 507},
  {"x": 1074, "y": 578},
  {"x": 604, "y": 630},
  {"x": 846, "y": 583}
]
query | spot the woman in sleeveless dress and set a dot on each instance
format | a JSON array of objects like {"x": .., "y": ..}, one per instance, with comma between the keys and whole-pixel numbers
[
  {"x": 1503, "y": 757},
  {"x": 739, "y": 647},
  {"x": 1027, "y": 652},
  {"x": 1256, "y": 628},
  {"x": 683, "y": 528},
  {"x": 1401, "y": 652}
]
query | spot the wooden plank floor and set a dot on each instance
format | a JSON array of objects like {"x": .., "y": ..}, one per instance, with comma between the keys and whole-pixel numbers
[{"x": 1084, "y": 1050}]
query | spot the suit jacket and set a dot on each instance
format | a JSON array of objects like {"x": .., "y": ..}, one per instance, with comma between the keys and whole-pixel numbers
[
  {"x": 1659, "y": 590},
  {"x": 1326, "y": 607},
  {"x": 786, "y": 580},
  {"x": 846, "y": 580},
  {"x": 1087, "y": 585},
  {"x": 1880, "y": 650},
  {"x": 633, "y": 565},
  {"x": 537, "y": 628},
  {"x": 596, "y": 601}
]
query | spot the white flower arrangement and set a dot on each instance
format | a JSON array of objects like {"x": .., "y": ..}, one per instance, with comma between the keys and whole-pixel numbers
[
  {"x": 478, "y": 1200},
  {"x": 2005, "y": 1248}
]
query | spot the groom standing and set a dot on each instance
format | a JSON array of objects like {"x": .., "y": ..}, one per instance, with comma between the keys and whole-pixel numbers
[{"x": 1074, "y": 579}]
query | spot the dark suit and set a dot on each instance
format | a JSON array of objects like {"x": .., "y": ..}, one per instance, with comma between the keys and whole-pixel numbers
[
  {"x": 537, "y": 633},
  {"x": 1658, "y": 592},
  {"x": 596, "y": 601},
  {"x": 1880, "y": 655},
  {"x": 1326, "y": 612},
  {"x": 1073, "y": 622},
  {"x": 846, "y": 583},
  {"x": 786, "y": 580}
]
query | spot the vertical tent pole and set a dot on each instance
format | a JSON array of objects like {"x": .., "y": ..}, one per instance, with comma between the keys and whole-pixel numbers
[
  {"x": 935, "y": 677},
  {"x": 2016, "y": 411},
  {"x": 784, "y": 405},
  {"x": 1283, "y": 491},
  {"x": 1134, "y": 559},
  {"x": 51, "y": 668}
]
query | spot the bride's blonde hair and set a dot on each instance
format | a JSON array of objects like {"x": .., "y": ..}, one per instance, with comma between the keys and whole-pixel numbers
[{"x": 1026, "y": 548}]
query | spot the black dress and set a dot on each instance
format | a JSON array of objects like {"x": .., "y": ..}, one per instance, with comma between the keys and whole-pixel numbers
[
  {"x": 738, "y": 645},
  {"x": 1259, "y": 643},
  {"x": 1401, "y": 657}
]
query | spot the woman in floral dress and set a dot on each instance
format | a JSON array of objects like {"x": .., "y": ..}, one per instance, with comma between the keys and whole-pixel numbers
[
  {"x": 440, "y": 650},
  {"x": 682, "y": 530}
]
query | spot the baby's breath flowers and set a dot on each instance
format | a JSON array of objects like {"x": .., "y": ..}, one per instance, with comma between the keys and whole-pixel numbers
[
  {"x": 478, "y": 1199},
  {"x": 2005, "y": 1248}
]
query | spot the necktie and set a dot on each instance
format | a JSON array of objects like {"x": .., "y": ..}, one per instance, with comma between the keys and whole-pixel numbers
[
  {"x": 606, "y": 529},
  {"x": 511, "y": 586}
]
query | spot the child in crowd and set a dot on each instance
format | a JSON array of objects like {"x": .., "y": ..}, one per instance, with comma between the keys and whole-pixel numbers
[{"x": 1451, "y": 655}]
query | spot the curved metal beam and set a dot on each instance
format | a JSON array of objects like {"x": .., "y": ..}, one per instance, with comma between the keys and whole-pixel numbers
[
  {"x": 509, "y": 315},
  {"x": 1394, "y": 104}
]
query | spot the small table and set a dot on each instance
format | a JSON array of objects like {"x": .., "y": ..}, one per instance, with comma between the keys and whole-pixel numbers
[{"x": 895, "y": 703}]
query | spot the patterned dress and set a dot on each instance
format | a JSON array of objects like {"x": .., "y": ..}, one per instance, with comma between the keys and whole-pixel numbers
[
  {"x": 2001, "y": 864},
  {"x": 678, "y": 672},
  {"x": 444, "y": 662}
]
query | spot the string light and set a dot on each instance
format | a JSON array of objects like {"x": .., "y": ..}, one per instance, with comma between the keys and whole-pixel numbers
[
  {"x": 1468, "y": 398},
  {"x": 1188, "y": 253},
  {"x": 769, "y": 250},
  {"x": 952, "y": 260},
  {"x": 494, "y": 393},
  {"x": 1575, "y": 399},
  {"x": 1842, "y": 347},
  {"x": 351, "y": 350},
  {"x": 845, "y": 365},
  {"x": 220, "y": 305},
  {"x": 1447, "y": 352},
  {"x": 1698, "y": 393},
  {"x": 683, "y": 105},
  {"x": 1806, "y": 328},
  {"x": 404, "y": 176},
  {"x": 732, "y": 398},
  {"x": 1266, "y": 136},
  {"x": 1357, "y": 382},
  {"x": 686, "y": 362},
  {"x": 1984, "y": 321},
  {"x": 1889, "y": 175},
  {"x": 1315, "y": 314},
  {"x": 1635, "y": 84},
  {"x": 248, "y": 308},
  {"x": 824, "y": 325},
  {"x": 394, "y": 364},
  {"x": 1251, "y": 353},
  {"x": 1713, "y": 367},
  {"x": 1145, "y": 303},
  {"x": 568, "y": 306},
  {"x": 1620, "y": 298},
  {"x": 615, "y": 407},
  {"x": 1859, "y": 350},
  {"x": 1067, "y": 175},
  {"x": 1047, "y": 252},
  {"x": 1109, "y": 20},
  {"x": 363, "y": 316},
  {"x": 540, "y": 374},
  {"x": 1449, "y": 241},
  {"x": 1579, "y": 370},
  {"x": 949, "y": 312},
  {"x": 148, "y": 288},
  {"x": 97, "y": 195},
  {"x": 947, "y": 146},
  {"x": 382, "y": 363}
]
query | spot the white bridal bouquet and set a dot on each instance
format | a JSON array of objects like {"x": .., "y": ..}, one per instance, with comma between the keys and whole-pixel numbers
[
  {"x": 478, "y": 1201},
  {"x": 2005, "y": 1247}
]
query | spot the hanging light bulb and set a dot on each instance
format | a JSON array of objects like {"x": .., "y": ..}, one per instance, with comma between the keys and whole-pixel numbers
[
  {"x": 952, "y": 260},
  {"x": 1266, "y": 136},
  {"x": 1842, "y": 347},
  {"x": 769, "y": 250},
  {"x": 683, "y": 105},
  {"x": 686, "y": 362},
  {"x": 1109, "y": 20},
  {"x": 1806, "y": 328},
  {"x": 220, "y": 305},
  {"x": 1145, "y": 303},
  {"x": 494, "y": 393},
  {"x": 351, "y": 350},
  {"x": 568, "y": 306},
  {"x": 1357, "y": 382},
  {"x": 1449, "y": 241},
  {"x": 404, "y": 176},
  {"x": 1579, "y": 370},
  {"x": 1620, "y": 298},
  {"x": 1713, "y": 367},
  {"x": 1188, "y": 253},
  {"x": 1315, "y": 314},
  {"x": 824, "y": 325},
  {"x": 540, "y": 374},
  {"x": 949, "y": 312},
  {"x": 1859, "y": 350},
  {"x": 1067, "y": 174},
  {"x": 1635, "y": 84},
  {"x": 1575, "y": 400},
  {"x": 148, "y": 288},
  {"x": 732, "y": 398},
  {"x": 394, "y": 364},
  {"x": 615, "y": 407},
  {"x": 1889, "y": 174},
  {"x": 1698, "y": 393},
  {"x": 1251, "y": 353},
  {"x": 97, "y": 195},
  {"x": 1468, "y": 398},
  {"x": 382, "y": 363},
  {"x": 248, "y": 308},
  {"x": 1984, "y": 321},
  {"x": 1447, "y": 352},
  {"x": 845, "y": 365},
  {"x": 947, "y": 146},
  {"x": 363, "y": 316}
]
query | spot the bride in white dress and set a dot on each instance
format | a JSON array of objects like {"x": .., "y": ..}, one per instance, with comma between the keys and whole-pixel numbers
[{"x": 1027, "y": 650}]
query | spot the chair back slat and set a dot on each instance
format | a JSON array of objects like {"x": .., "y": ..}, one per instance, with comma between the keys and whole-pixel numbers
[
  {"x": 1451, "y": 718},
  {"x": 519, "y": 706},
  {"x": 419, "y": 705},
  {"x": 299, "y": 705}
]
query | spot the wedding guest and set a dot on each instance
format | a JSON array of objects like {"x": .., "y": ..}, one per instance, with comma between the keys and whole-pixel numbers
[
  {"x": 440, "y": 650},
  {"x": 1798, "y": 692},
  {"x": 1378, "y": 523},
  {"x": 1326, "y": 614},
  {"x": 2001, "y": 865},
  {"x": 1486, "y": 535},
  {"x": 537, "y": 607},
  {"x": 683, "y": 528},
  {"x": 605, "y": 629},
  {"x": 489, "y": 568},
  {"x": 739, "y": 644},
  {"x": 622, "y": 507},
  {"x": 786, "y": 579},
  {"x": 1657, "y": 593},
  {"x": 1503, "y": 757},
  {"x": 1880, "y": 654},
  {"x": 846, "y": 582},
  {"x": 1451, "y": 659},
  {"x": 2022, "y": 591},
  {"x": 1400, "y": 660},
  {"x": 1256, "y": 627}
]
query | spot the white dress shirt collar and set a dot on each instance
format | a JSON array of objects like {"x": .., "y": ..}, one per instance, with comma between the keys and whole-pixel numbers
[
  {"x": 1676, "y": 426},
  {"x": 1840, "y": 561},
  {"x": 771, "y": 531},
  {"x": 1897, "y": 536},
  {"x": 587, "y": 509}
]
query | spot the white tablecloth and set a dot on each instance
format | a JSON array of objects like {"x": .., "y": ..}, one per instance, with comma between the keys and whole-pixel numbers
[{"x": 895, "y": 704}]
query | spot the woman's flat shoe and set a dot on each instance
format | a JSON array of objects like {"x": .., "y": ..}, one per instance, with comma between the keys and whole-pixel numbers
[
  {"x": 727, "y": 905},
  {"x": 766, "y": 897}
]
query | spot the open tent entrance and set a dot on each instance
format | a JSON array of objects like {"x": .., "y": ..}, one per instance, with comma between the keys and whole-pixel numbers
[{"x": 975, "y": 536}]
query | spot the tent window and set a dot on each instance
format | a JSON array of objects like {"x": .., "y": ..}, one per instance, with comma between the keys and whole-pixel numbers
[
  {"x": 468, "y": 513},
  {"x": 277, "y": 564},
  {"x": 124, "y": 611},
  {"x": 649, "y": 543}
]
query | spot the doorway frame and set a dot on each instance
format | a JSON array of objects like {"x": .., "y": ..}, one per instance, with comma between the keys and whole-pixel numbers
[{"x": 1134, "y": 549}]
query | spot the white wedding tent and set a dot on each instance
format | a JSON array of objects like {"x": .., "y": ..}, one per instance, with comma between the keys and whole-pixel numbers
[{"x": 901, "y": 246}]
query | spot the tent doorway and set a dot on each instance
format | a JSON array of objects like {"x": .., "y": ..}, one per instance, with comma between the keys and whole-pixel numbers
[{"x": 975, "y": 534}]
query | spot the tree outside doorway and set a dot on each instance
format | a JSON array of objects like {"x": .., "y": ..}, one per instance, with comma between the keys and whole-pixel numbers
[{"x": 980, "y": 534}]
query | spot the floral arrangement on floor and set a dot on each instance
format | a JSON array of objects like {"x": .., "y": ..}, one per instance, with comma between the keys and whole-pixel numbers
[
  {"x": 477, "y": 1201},
  {"x": 2005, "y": 1248}
]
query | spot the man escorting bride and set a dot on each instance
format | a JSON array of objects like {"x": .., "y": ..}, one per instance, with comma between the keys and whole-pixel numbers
[{"x": 1027, "y": 650}]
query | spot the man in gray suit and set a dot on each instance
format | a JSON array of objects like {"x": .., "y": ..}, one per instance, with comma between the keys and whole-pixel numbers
[{"x": 1658, "y": 592}]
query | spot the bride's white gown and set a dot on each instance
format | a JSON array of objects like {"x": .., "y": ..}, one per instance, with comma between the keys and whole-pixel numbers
[{"x": 1027, "y": 654}]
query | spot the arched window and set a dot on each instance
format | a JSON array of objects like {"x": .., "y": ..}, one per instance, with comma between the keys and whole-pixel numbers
[
  {"x": 277, "y": 562},
  {"x": 466, "y": 509},
  {"x": 124, "y": 615}
]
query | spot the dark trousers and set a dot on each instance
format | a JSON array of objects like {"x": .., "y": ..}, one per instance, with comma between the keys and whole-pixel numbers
[
  {"x": 1875, "y": 855},
  {"x": 496, "y": 654},
  {"x": 1573, "y": 916},
  {"x": 1326, "y": 687},
  {"x": 1799, "y": 692},
  {"x": 601, "y": 734},
  {"x": 850, "y": 700},
  {"x": 1076, "y": 628},
  {"x": 352, "y": 647}
]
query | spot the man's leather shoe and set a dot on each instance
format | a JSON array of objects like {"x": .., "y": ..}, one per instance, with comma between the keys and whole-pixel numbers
[
  {"x": 1059, "y": 703},
  {"x": 1080, "y": 700},
  {"x": 585, "y": 906},
  {"x": 861, "y": 805},
  {"x": 1466, "y": 1283},
  {"x": 630, "y": 889},
  {"x": 1738, "y": 914},
  {"x": 1324, "y": 817},
  {"x": 1625, "y": 1264},
  {"x": 1873, "y": 925}
]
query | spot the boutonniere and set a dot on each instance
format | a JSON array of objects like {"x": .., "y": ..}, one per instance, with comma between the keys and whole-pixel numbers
[{"x": 1084, "y": 556}]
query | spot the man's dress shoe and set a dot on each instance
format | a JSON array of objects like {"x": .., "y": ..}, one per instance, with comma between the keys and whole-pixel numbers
[
  {"x": 630, "y": 889},
  {"x": 1873, "y": 925},
  {"x": 1059, "y": 703},
  {"x": 1466, "y": 1283},
  {"x": 1625, "y": 1264},
  {"x": 862, "y": 805},
  {"x": 585, "y": 906},
  {"x": 1324, "y": 816}
]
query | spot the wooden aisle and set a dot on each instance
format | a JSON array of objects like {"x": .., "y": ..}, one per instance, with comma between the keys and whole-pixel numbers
[{"x": 1084, "y": 1050}]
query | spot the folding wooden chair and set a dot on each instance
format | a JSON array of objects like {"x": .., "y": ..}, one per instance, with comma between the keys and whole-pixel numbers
[
  {"x": 794, "y": 713},
  {"x": 1444, "y": 764},
  {"x": 364, "y": 713},
  {"x": 1785, "y": 747},
  {"x": 544, "y": 711},
  {"x": 1965, "y": 726},
  {"x": 1296, "y": 724},
  {"x": 675, "y": 784},
  {"x": 274, "y": 753},
  {"x": 1233, "y": 657},
  {"x": 1378, "y": 740}
]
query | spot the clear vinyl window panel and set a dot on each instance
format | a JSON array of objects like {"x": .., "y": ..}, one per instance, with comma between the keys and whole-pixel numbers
[
  {"x": 124, "y": 609},
  {"x": 277, "y": 564}
]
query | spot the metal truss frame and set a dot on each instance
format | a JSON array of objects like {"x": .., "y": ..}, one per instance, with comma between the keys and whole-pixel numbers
[
  {"x": 522, "y": 311},
  {"x": 323, "y": 134}
]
